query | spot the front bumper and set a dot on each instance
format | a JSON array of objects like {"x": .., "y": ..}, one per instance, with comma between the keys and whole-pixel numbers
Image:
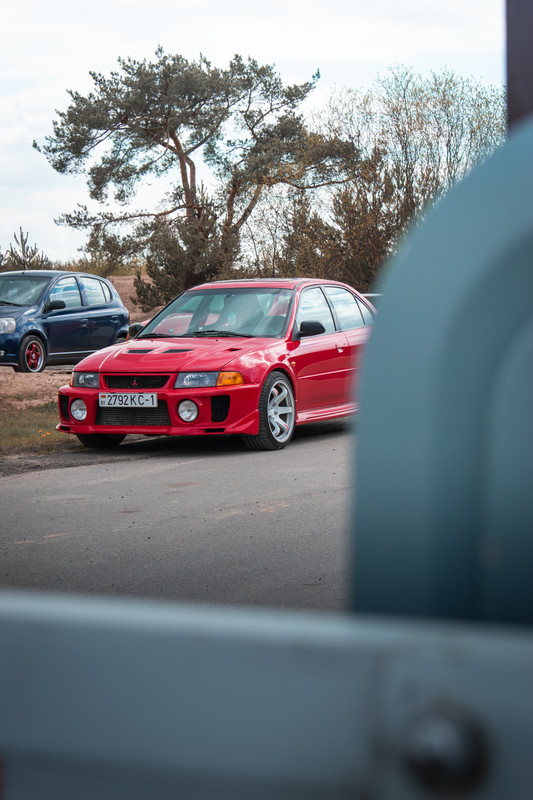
[
  {"x": 225, "y": 410},
  {"x": 9, "y": 346}
]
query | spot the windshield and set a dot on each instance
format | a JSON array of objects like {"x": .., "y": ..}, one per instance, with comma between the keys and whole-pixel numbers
[
  {"x": 22, "y": 290},
  {"x": 248, "y": 311}
]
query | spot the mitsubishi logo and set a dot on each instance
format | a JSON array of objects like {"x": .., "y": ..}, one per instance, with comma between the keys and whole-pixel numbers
[{"x": 134, "y": 384}]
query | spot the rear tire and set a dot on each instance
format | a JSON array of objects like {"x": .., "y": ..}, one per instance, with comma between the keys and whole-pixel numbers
[
  {"x": 101, "y": 440},
  {"x": 32, "y": 355},
  {"x": 277, "y": 414}
]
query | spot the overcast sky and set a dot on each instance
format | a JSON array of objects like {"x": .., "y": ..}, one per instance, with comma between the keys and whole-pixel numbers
[{"x": 49, "y": 47}]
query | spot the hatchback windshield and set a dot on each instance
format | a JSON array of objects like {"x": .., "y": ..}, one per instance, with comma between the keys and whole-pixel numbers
[
  {"x": 239, "y": 311},
  {"x": 22, "y": 290}
]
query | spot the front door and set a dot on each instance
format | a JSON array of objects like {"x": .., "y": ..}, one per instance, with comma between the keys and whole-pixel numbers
[
  {"x": 320, "y": 363},
  {"x": 67, "y": 329}
]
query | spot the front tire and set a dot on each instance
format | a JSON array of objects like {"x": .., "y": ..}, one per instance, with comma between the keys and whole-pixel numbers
[
  {"x": 101, "y": 440},
  {"x": 277, "y": 414},
  {"x": 32, "y": 355}
]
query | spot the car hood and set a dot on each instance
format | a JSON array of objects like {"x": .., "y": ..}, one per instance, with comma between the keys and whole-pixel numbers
[
  {"x": 172, "y": 355},
  {"x": 16, "y": 311}
]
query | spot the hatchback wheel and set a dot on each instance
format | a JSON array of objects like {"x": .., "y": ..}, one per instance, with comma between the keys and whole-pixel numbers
[
  {"x": 277, "y": 414},
  {"x": 101, "y": 440},
  {"x": 32, "y": 355}
]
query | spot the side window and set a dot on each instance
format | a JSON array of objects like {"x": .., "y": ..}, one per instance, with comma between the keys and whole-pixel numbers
[
  {"x": 93, "y": 291},
  {"x": 366, "y": 312},
  {"x": 346, "y": 308},
  {"x": 313, "y": 306},
  {"x": 107, "y": 292},
  {"x": 67, "y": 290}
]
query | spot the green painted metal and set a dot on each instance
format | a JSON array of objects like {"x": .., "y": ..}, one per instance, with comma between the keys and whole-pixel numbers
[{"x": 444, "y": 506}]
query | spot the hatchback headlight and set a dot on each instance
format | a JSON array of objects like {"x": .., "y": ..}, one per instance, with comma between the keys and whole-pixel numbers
[
  {"x": 7, "y": 324},
  {"x": 88, "y": 380}
]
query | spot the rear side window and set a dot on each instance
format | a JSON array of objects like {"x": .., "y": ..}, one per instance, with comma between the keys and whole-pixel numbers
[
  {"x": 346, "y": 308},
  {"x": 368, "y": 316},
  {"x": 93, "y": 291}
]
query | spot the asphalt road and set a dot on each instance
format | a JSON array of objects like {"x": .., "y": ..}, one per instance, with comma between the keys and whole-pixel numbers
[{"x": 193, "y": 520}]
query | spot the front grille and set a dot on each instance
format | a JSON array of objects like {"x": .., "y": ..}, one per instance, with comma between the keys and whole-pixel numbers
[
  {"x": 134, "y": 416},
  {"x": 219, "y": 407},
  {"x": 135, "y": 381}
]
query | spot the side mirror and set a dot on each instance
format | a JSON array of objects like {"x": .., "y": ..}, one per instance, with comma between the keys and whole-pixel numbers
[
  {"x": 55, "y": 305},
  {"x": 134, "y": 329},
  {"x": 310, "y": 328}
]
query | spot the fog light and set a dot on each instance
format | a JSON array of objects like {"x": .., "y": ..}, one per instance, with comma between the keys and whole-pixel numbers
[
  {"x": 188, "y": 411},
  {"x": 78, "y": 410}
]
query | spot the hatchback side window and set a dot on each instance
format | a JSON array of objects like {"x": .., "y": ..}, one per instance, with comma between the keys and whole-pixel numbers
[
  {"x": 313, "y": 307},
  {"x": 107, "y": 292},
  {"x": 92, "y": 291},
  {"x": 67, "y": 290},
  {"x": 346, "y": 308}
]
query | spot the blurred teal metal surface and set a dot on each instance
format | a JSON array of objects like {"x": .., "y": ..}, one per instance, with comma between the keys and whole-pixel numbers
[
  {"x": 109, "y": 699},
  {"x": 444, "y": 506}
]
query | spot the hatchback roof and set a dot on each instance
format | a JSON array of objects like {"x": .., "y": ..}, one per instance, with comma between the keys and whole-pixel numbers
[{"x": 49, "y": 273}]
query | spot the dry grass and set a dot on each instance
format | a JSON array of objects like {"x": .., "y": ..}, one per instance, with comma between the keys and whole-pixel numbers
[{"x": 32, "y": 429}]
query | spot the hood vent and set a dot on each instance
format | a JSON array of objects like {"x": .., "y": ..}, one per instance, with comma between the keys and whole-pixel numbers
[
  {"x": 176, "y": 350},
  {"x": 128, "y": 352}
]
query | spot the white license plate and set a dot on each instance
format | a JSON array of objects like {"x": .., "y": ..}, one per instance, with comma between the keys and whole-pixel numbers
[{"x": 128, "y": 399}]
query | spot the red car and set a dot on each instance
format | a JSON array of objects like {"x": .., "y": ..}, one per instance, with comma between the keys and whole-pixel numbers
[{"x": 249, "y": 357}]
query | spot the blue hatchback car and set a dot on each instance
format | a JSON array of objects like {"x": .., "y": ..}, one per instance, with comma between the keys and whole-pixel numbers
[{"x": 57, "y": 317}]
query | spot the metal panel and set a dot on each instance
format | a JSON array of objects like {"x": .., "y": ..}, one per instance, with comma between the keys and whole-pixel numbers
[
  {"x": 444, "y": 507},
  {"x": 519, "y": 59},
  {"x": 118, "y": 699}
]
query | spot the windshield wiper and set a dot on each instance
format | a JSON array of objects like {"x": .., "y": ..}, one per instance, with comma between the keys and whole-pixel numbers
[
  {"x": 163, "y": 336},
  {"x": 213, "y": 332},
  {"x": 9, "y": 303}
]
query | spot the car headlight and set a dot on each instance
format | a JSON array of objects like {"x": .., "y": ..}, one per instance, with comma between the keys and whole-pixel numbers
[
  {"x": 7, "y": 324},
  {"x": 88, "y": 380},
  {"x": 195, "y": 380}
]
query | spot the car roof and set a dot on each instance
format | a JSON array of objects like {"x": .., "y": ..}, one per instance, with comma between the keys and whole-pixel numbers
[
  {"x": 44, "y": 273},
  {"x": 278, "y": 283},
  {"x": 51, "y": 273}
]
